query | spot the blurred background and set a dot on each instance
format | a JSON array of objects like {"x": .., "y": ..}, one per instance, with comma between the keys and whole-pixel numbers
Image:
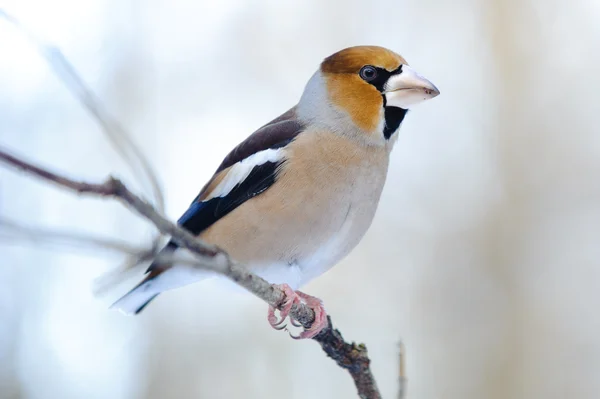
[{"x": 484, "y": 256}]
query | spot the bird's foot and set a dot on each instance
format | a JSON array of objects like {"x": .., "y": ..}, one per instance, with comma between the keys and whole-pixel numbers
[
  {"x": 320, "y": 321},
  {"x": 288, "y": 301},
  {"x": 292, "y": 297}
]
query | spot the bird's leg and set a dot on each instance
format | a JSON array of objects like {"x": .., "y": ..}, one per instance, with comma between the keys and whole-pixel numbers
[{"x": 292, "y": 297}]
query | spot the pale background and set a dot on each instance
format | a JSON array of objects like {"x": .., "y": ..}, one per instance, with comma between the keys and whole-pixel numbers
[{"x": 483, "y": 257}]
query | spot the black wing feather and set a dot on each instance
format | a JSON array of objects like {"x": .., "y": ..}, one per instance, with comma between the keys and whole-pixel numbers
[{"x": 202, "y": 214}]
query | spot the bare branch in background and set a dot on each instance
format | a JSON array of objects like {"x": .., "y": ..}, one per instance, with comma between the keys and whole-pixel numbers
[
  {"x": 116, "y": 134},
  {"x": 11, "y": 230},
  {"x": 401, "y": 371},
  {"x": 352, "y": 357}
]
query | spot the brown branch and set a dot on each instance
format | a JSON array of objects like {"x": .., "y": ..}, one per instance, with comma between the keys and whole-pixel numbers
[
  {"x": 351, "y": 357},
  {"x": 401, "y": 371}
]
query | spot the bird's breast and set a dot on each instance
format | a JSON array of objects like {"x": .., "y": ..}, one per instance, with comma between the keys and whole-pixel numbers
[{"x": 321, "y": 205}]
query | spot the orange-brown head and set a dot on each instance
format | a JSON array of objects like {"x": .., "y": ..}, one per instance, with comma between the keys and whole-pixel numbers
[{"x": 370, "y": 85}]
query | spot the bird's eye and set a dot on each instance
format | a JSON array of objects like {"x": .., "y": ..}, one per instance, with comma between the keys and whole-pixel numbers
[{"x": 368, "y": 73}]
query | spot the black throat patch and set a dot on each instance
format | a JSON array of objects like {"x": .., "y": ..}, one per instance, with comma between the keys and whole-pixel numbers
[{"x": 393, "y": 118}]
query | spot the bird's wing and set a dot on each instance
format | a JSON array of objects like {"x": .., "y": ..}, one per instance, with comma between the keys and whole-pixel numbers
[
  {"x": 275, "y": 134},
  {"x": 248, "y": 170}
]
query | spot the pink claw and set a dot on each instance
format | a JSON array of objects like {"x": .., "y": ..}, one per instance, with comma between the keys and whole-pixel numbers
[
  {"x": 292, "y": 297},
  {"x": 320, "y": 316}
]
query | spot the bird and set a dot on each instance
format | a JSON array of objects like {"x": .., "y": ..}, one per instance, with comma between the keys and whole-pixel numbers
[{"x": 297, "y": 195}]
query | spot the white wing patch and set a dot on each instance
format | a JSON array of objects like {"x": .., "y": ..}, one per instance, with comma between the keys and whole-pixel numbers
[{"x": 240, "y": 171}]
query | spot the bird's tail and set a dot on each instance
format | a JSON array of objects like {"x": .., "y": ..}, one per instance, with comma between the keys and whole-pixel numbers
[
  {"x": 160, "y": 278},
  {"x": 142, "y": 294},
  {"x": 137, "y": 299}
]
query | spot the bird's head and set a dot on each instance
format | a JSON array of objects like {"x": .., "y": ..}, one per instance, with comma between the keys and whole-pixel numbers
[{"x": 366, "y": 90}]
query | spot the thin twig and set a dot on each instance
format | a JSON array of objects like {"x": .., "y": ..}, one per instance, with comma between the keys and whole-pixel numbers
[
  {"x": 12, "y": 230},
  {"x": 401, "y": 371},
  {"x": 349, "y": 356}
]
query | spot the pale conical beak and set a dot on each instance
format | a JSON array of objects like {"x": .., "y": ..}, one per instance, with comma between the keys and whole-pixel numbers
[{"x": 408, "y": 88}]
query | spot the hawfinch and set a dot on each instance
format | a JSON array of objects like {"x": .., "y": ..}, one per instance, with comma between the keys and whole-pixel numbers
[{"x": 298, "y": 194}]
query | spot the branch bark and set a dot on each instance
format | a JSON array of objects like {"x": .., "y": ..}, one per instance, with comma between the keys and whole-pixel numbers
[{"x": 349, "y": 356}]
